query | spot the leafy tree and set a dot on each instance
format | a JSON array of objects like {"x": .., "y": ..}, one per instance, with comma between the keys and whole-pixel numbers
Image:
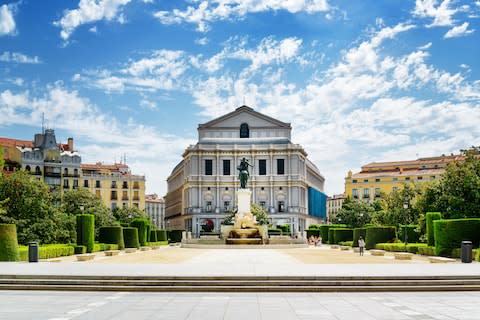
[
  {"x": 128, "y": 214},
  {"x": 399, "y": 207},
  {"x": 259, "y": 213},
  {"x": 30, "y": 206},
  {"x": 2, "y": 161},
  {"x": 77, "y": 199},
  {"x": 355, "y": 213}
]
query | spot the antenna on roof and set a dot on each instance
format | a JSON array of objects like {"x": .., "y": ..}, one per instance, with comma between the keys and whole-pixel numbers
[
  {"x": 43, "y": 122},
  {"x": 124, "y": 158}
]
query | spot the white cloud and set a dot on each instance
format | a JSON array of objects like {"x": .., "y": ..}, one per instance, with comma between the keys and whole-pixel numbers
[
  {"x": 93, "y": 29},
  {"x": 147, "y": 104},
  {"x": 458, "y": 31},
  {"x": 7, "y": 22},
  {"x": 18, "y": 57},
  {"x": 89, "y": 11},
  {"x": 215, "y": 10},
  {"x": 425, "y": 47},
  {"x": 202, "y": 41},
  {"x": 441, "y": 14}
]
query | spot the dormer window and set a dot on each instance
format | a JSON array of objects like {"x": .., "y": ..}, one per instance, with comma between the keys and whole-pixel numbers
[{"x": 244, "y": 131}]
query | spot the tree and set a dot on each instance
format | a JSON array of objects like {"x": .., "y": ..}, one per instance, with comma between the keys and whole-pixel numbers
[
  {"x": 30, "y": 206},
  {"x": 82, "y": 201},
  {"x": 2, "y": 161},
  {"x": 399, "y": 207},
  {"x": 128, "y": 214},
  {"x": 355, "y": 213},
  {"x": 259, "y": 213}
]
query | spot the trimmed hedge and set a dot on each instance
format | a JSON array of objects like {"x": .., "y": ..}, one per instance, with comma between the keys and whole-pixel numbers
[
  {"x": 374, "y": 235},
  {"x": 274, "y": 232},
  {"x": 162, "y": 235},
  {"x": 401, "y": 247},
  {"x": 345, "y": 243},
  {"x": 427, "y": 251},
  {"x": 130, "y": 237},
  {"x": 285, "y": 228},
  {"x": 409, "y": 229},
  {"x": 80, "y": 249},
  {"x": 449, "y": 234},
  {"x": 112, "y": 235},
  {"x": 105, "y": 246},
  {"x": 149, "y": 228},
  {"x": 415, "y": 247},
  {"x": 313, "y": 232},
  {"x": 314, "y": 227},
  {"x": 153, "y": 236},
  {"x": 175, "y": 235},
  {"x": 142, "y": 226},
  {"x": 49, "y": 251},
  {"x": 8, "y": 242},
  {"x": 357, "y": 232},
  {"x": 476, "y": 254},
  {"x": 430, "y": 217},
  {"x": 341, "y": 234},
  {"x": 86, "y": 231},
  {"x": 324, "y": 230}
]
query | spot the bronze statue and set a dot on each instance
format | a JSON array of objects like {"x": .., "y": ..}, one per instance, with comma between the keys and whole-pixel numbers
[{"x": 243, "y": 172}]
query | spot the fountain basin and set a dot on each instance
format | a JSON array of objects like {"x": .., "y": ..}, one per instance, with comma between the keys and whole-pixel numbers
[{"x": 244, "y": 241}]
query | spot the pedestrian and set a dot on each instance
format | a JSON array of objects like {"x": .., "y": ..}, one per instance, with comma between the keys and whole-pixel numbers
[{"x": 361, "y": 245}]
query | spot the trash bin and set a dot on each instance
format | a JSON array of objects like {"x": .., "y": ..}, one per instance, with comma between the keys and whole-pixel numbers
[
  {"x": 466, "y": 253},
  {"x": 33, "y": 251}
]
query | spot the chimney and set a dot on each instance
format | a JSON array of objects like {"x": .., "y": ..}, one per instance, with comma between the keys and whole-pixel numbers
[{"x": 70, "y": 144}]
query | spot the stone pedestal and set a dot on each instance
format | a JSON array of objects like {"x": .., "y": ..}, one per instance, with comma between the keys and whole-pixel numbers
[{"x": 243, "y": 201}]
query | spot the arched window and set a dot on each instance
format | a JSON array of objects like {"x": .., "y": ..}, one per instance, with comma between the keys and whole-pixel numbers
[
  {"x": 75, "y": 172},
  {"x": 65, "y": 172},
  {"x": 37, "y": 170},
  {"x": 244, "y": 131},
  {"x": 27, "y": 168}
]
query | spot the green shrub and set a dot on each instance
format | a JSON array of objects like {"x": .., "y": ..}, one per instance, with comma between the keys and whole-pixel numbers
[
  {"x": 357, "y": 232},
  {"x": 342, "y": 234},
  {"x": 346, "y": 243},
  {"x": 142, "y": 226},
  {"x": 86, "y": 231},
  {"x": 374, "y": 235},
  {"x": 427, "y": 251},
  {"x": 97, "y": 247},
  {"x": 80, "y": 249},
  {"x": 380, "y": 246},
  {"x": 112, "y": 235},
  {"x": 395, "y": 247},
  {"x": 312, "y": 232},
  {"x": 430, "y": 217},
  {"x": 175, "y": 235},
  {"x": 274, "y": 232},
  {"x": 412, "y": 235},
  {"x": 130, "y": 237},
  {"x": 324, "y": 229},
  {"x": 149, "y": 227},
  {"x": 449, "y": 234},
  {"x": 415, "y": 247},
  {"x": 476, "y": 254},
  {"x": 162, "y": 235},
  {"x": 50, "y": 251},
  {"x": 153, "y": 236},
  {"x": 8, "y": 243},
  {"x": 314, "y": 226},
  {"x": 284, "y": 227}
]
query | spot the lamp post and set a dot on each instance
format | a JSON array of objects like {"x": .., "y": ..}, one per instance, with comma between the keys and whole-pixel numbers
[{"x": 405, "y": 233}]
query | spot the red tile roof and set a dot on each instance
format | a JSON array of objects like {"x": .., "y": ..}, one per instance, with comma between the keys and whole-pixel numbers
[{"x": 8, "y": 142}]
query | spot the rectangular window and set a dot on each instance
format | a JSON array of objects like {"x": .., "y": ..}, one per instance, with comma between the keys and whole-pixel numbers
[
  {"x": 407, "y": 178},
  {"x": 97, "y": 184},
  {"x": 262, "y": 204},
  {"x": 208, "y": 167},
  {"x": 65, "y": 184},
  {"x": 75, "y": 183},
  {"x": 226, "y": 205},
  {"x": 209, "y": 206},
  {"x": 432, "y": 177},
  {"x": 366, "y": 193},
  {"x": 377, "y": 192},
  {"x": 85, "y": 183},
  {"x": 262, "y": 167},
  {"x": 420, "y": 178},
  {"x": 355, "y": 193},
  {"x": 114, "y": 184},
  {"x": 125, "y": 185},
  {"x": 114, "y": 205},
  {"x": 377, "y": 180},
  {"x": 281, "y": 206},
  {"x": 226, "y": 167},
  {"x": 113, "y": 195},
  {"x": 354, "y": 181},
  {"x": 280, "y": 166},
  {"x": 365, "y": 180}
]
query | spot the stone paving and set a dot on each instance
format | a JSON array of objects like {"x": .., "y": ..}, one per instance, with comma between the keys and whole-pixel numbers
[{"x": 19, "y": 305}]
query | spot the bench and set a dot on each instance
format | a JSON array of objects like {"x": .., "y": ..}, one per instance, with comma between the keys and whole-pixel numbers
[
  {"x": 377, "y": 252},
  {"x": 145, "y": 248},
  {"x": 356, "y": 249},
  {"x": 110, "y": 253},
  {"x": 403, "y": 255},
  {"x": 440, "y": 260},
  {"x": 85, "y": 257},
  {"x": 334, "y": 246},
  {"x": 345, "y": 248},
  {"x": 130, "y": 250}
]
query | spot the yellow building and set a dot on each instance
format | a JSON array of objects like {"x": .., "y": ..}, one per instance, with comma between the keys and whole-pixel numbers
[
  {"x": 114, "y": 184},
  {"x": 384, "y": 177}
]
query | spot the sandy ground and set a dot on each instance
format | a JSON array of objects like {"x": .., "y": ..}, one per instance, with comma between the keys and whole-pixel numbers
[{"x": 310, "y": 255}]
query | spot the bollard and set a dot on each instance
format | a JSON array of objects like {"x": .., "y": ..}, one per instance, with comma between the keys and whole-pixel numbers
[
  {"x": 466, "y": 252},
  {"x": 33, "y": 251}
]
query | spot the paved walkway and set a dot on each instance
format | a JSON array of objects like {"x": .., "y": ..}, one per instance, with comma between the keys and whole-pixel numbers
[{"x": 174, "y": 261}]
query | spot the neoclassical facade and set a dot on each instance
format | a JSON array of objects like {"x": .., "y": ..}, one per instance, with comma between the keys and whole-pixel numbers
[{"x": 283, "y": 180}]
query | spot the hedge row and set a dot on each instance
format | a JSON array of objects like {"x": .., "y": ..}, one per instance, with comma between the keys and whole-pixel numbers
[
  {"x": 130, "y": 237},
  {"x": 313, "y": 232},
  {"x": 112, "y": 235},
  {"x": 49, "y": 251},
  {"x": 410, "y": 230},
  {"x": 427, "y": 250},
  {"x": 401, "y": 247},
  {"x": 105, "y": 246},
  {"x": 162, "y": 235},
  {"x": 430, "y": 217},
  {"x": 86, "y": 231},
  {"x": 8, "y": 242},
  {"x": 324, "y": 230},
  {"x": 274, "y": 232},
  {"x": 336, "y": 235},
  {"x": 285, "y": 228},
  {"x": 153, "y": 236},
  {"x": 449, "y": 234},
  {"x": 374, "y": 235},
  {"x": 357, "y": 233},
  {"x": 175, "y": 235}
]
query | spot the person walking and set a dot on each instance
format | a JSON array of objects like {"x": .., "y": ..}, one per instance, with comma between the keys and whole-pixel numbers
[{"x": 361, "y": 245}]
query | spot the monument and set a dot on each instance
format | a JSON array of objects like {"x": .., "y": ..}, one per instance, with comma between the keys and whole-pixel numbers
[{"x": 245, "y": 228}]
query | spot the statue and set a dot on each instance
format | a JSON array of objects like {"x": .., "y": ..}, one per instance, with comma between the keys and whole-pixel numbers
[{"x": 243, "y": 172}]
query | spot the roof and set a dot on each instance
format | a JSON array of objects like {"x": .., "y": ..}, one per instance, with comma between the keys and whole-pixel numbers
[
  {"x": 419, "y": 162},
  {"x": 396, "y": 173},
  {"x": 8, "y": 142},
  {"x": 247, "y": 110},
  {"x": 100, "y": 166}
]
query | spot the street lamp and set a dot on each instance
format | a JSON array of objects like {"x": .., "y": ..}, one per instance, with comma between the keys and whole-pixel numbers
[{"x": 405, "y": 233}]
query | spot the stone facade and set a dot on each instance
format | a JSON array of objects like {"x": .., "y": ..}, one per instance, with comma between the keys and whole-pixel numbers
[
  {"x": 155, "y": 209},
  {"x": 203, "y": 185}
]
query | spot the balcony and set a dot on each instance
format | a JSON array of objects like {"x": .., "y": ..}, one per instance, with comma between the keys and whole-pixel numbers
[
  {"x": 136, "y": 185},
  {"x": 53, "y": 174},
  {"x": 125, "y": 198}
]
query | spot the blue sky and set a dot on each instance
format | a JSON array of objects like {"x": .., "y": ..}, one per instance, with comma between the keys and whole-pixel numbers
[{"x": 359, "y": 81}]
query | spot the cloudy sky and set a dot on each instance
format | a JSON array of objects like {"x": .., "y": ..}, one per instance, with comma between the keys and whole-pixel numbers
[{"x": 359, "y": 81}]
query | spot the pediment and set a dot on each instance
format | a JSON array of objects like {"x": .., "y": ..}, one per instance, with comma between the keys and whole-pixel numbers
[{"x": 241, "y": 115}]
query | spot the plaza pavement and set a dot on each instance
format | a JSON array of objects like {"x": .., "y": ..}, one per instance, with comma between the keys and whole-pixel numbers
[{"x": 176, "y": 261}]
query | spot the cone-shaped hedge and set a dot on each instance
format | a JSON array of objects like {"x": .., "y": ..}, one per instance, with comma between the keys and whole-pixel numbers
[
  {"x": 8, "y": 242},
  {"x": 112, "y": 235},
  {"x": 130, "y": 236},
  {"x": 431, "y": 216},
  {"x": 141, "y": 225},
  {"x": 162, "y": 235},
  {"x": 153, "y": 236},
  {"x": 86, "y": 231},
  {"x": 376, "y": 235}
]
